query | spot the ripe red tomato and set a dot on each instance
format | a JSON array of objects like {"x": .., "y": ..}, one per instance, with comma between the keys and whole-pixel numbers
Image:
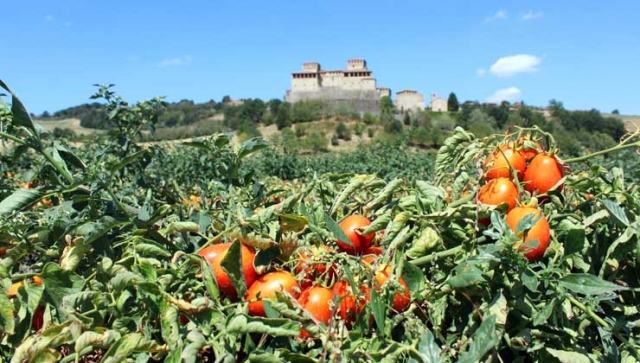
[
  {"x": 402, "y": 298},
  {"x": 498, "y": 191},
  {"x": 373, "y": 250},
  {"x": 500, "y": 162},
  {"x": 317, "y": 300},
  {"x": 350, "y": 304},
  {"x": 544, "y": 171},
  {"x": 266, "y": 286},
  {"x": 214, "y": 254},
  {"x": 528, "y": 148},
  {"x": 315, "y": 263},
  {"x": 352, "y": 226},
  {"x": 540, "y": 231}
]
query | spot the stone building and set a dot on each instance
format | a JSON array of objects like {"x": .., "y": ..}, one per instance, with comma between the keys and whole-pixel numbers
[
  {"x": 438, "y": 104},
  {"x": 353, "y": 85},
  {"x": 409, "y": 100}
]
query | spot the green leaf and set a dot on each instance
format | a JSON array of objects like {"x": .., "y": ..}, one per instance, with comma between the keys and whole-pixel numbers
[
  {"x": 413, "y": 277},
  {"x": 292, "y": 357},
  {"x": 588, "y": 284},
  {"x": 574, "y": 241},
  {"x": 126, "y": 346},
  {"x": 616, "y": 212},
  {"x": 543, "y": 315},
  {"x": 483, "y": 340},
  {"x": 96, "y": 340},
  {"x": 19, "y": 199},
  {"x": 21, "y": 116},
  {"x": 252, "y": 145},
  {"x": 378, "y": 309},
  {"x": 69, "y": 157},
  {"x": 150, "y": 248},
  {"x": 196, "y": 342},
  {"x": 209, "y": 280},
  {"x": 292, "y": 222},
  {"x": 570, "y": 357},
  {"x": 428, "y": 349},
  {"x": 59, "y": 283},
  {"x": 92, "y": 231},
  {"x": 128, "y": 160},
  {"x": 260, "y": 356},
  {"x": 7, "y": 322},
  {"x": 335, "y": 229},
  {"x": 529, "y": 280},
  {"x": 428, "y": 240},
  {"x": 169, "y": 324},
  {"x": 470, "y": 275},
  {"x": 242, "y": 324},
  {"x": 232, "y": 265}
]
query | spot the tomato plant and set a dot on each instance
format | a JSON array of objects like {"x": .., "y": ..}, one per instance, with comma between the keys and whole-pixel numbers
[{"x": 350, "y": 302}]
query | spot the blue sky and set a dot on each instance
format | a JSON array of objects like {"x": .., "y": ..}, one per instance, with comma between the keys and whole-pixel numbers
[{"x": 583, "y": 53}]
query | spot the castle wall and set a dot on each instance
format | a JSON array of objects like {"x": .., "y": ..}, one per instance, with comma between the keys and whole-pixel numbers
[
  {"x": 409, "y": 101},
  {"x": 438, "y": 105}
]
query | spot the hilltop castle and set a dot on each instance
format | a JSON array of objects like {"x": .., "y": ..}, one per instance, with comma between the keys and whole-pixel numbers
[{"x": 354, "y": 86}]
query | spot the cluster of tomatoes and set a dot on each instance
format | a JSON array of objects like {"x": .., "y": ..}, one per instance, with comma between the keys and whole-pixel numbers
[
  {"x": 316, "y": 280},
  {"x": 509, "y": 171},
  {"x": 38, "y": 316}
]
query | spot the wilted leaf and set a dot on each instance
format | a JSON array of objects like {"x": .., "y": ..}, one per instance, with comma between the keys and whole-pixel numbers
[
  {"x": 242, "y": 324},
  {"x": 292, "y": 222},
  {"x": 7, "y": 323},
  {"x": 570, "y": 357}
]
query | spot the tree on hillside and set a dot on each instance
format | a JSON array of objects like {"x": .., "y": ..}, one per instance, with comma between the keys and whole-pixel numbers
[
  {"x": 226, "y": 99},
  {"x": 283, "y": 117},
  {"x": 386, "y": 108},
  {"x": 615, "y": 112},
  {"x": 452, "y": 103},
  {"x": 274, "y": 105}
]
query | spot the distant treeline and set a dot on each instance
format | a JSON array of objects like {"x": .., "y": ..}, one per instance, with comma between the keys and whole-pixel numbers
[{"x": 574, "y": 130}]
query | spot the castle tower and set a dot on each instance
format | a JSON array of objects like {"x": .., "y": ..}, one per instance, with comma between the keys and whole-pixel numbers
[
  {"x": 356, "y": 64},
  {"x": 311, "y": 67}
]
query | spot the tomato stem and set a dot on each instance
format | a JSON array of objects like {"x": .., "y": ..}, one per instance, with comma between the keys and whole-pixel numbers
[
  {"x": 436, "y": 256},
  {"x": 589, "y": 312},
  {"x": 618, "y": 147}
]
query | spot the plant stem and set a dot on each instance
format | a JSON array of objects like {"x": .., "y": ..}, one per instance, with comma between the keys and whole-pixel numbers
[
  {"x": 12, "y": 138},
  {"x": 436, "y": 256},
  {"x": 65, "y": 173},
  {"x": 590, "y": 313},
  {"x": 602, "y": 152}
]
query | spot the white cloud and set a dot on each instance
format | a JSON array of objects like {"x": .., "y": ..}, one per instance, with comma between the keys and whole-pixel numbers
[
  {"x": 172, "y": 62},
  {"x": 510, "y": 94},
  {"x": 514, "y": 64},
  {"x": 532, "y": 15},
  {"x": 49, "y": 17},
  {"x": 481, "y": 72},
  {"x": 499, "y": 15}
]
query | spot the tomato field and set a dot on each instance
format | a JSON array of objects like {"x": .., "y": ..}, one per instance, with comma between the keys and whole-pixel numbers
[{"x": 507, "y": 252}]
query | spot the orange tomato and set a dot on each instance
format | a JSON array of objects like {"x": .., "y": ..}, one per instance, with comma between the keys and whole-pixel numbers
[
  {"x": 498, "y": 191},
  {"x": 402, "y": 298},
  {"x": 352, "y": 226},
  {"x": 544, "y": 171},
  {"x": 214, "y": 254},
  {"x": 528, "y": 148},
  {"x": 504, "y": 162},
  {"x": 266, "y": 286},
  {"x": 349, "y": 304},
  {"x": 540, "y": 231},
  {"x": 317, "y": 301}
]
